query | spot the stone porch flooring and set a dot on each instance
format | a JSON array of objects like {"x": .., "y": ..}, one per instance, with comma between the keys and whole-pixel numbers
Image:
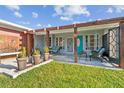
[{"x": 85, "y": 61}]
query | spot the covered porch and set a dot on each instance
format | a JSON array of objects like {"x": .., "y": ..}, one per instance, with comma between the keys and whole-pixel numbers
[{"x": 77, "y": 39}]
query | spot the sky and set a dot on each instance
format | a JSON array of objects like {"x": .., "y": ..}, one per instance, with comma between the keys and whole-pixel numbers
[{"x": 42, "y": 16}]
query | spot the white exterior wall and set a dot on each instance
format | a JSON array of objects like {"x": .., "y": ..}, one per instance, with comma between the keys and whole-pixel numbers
[
  {"x": 39, "y": 42},
  {"x": 83, "y": 33},
  {"x": 40, "y": 39}
]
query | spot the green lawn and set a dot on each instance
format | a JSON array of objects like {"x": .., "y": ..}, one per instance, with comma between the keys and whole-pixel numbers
[{"x": 60, "y": 75}]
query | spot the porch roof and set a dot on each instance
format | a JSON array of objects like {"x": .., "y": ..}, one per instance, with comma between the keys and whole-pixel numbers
[{"x": 99, "y": 23}]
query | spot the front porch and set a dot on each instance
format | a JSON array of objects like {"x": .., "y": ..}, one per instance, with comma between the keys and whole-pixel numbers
[{"x": 75, "y": 40}]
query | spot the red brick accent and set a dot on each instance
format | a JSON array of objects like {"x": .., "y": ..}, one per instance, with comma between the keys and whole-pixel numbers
[
  {"x": 121, "y": 45},
  {"x": 75, "y": 45}
]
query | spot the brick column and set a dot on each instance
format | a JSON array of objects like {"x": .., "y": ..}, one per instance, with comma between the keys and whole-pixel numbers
[
  {"x": 75, "y": 45},
  {"x": 121, "y": 64}
]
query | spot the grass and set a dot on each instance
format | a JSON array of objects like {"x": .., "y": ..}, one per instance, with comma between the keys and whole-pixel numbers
[{"x": 59, "y": 75}]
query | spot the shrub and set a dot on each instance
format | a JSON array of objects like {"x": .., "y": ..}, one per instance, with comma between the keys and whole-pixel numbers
[
  {"x": 22, "y": 53},
  {"x": 46, "y": 50},
  {"x": 36, "y": 51}
]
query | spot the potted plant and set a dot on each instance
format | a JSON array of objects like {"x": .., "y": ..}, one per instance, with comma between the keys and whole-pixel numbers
[
  {"x": 22, "y": 59},
  {"x": 46, "y": 51},
  {"x": 36, "y": 56}
]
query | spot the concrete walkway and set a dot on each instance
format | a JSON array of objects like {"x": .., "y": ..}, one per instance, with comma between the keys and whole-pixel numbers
[{"x": 9, "y": 67}]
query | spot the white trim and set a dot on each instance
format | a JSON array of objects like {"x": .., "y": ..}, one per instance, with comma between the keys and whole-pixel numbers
[
  {"x": 8, "y": 54},
  {"x": 95, "y": 40},
  {"x": 58, "y": 39},
  {"x": 14, "y": 25}
]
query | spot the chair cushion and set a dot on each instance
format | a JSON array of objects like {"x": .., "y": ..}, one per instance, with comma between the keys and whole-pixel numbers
[{"x": 101, "y": 51}]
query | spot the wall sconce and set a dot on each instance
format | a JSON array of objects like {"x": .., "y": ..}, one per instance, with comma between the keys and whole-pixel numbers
[
  {"x": 25, "y": 32},
  {"x": 33, "y": 31}
]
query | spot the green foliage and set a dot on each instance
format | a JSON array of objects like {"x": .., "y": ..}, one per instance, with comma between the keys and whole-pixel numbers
[
  {"x": 23, "y": 53},
  {"x": 36, "y": 51},
  {"x": 61, "y": 75},
  {"x": 46, "y": 50}
]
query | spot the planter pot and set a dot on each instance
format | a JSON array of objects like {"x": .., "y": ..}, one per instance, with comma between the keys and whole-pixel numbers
[
  {"x": 21, "y": 63},
  {"x": 46, "y": 56},
  {"x": 37, "y": 59}
]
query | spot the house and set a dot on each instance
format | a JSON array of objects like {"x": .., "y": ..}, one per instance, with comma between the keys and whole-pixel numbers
[{"x": 74, "y": 38}]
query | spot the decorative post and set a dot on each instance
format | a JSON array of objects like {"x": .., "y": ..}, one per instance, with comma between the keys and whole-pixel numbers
[
  {"x": 47, "y": 45},
  {"x": 75, "y": 45},
  {"x": 121, "y": 63},
  {"x": 47, "y": 38},
  {"x": 28, "y": 44}
]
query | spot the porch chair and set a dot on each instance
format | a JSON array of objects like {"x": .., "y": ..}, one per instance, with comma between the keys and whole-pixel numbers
[
  {"x": 98, "y": 54},
  {"x": 55, "y": 49},
  {"x": 82, "y": 54},
  {"x": 96, "y": 51}
]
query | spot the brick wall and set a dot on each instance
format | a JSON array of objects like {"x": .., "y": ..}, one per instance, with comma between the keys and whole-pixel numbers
[{"x": 12, "y": 39}]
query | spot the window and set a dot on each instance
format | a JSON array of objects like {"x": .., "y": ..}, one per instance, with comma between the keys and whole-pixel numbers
[
  {"x": 50, "y": 41},
  {"x": 86, "y": 42},
  {"x": 91, "y": 42},
  {"x": 56, "y": 41},
  {"x": 60, "y": 42}
]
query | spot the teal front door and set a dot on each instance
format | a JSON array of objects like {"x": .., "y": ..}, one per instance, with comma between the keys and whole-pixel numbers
[{"x": 79, "y": 44}]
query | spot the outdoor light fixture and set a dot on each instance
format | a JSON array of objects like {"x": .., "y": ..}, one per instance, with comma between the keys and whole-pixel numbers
[
  {"x": 25, "y": 32},
  {"x": 33, "y": 31}
]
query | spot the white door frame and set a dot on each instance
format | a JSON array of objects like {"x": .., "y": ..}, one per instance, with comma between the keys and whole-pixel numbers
[{"x": 72, "y": 46}]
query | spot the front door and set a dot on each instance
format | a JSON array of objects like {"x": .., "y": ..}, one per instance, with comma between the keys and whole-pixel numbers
[
  {"x": 70, "y": 44},
  {"x": 105, "y": 44},
  {"x": 79, "y": 44}
]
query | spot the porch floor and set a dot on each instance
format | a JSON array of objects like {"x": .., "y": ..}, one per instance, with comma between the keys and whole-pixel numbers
[{"x": 85, "y": 61}]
